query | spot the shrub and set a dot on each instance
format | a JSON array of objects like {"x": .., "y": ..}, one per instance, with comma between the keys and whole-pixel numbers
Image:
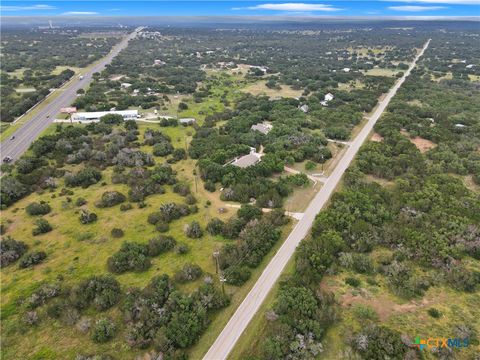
[
  {"x": 43, "y": 226},
  {"x": 365, "y": 312},
  {"x": 42, "y": 294},
  {"x": 11, "y": 250},
  {"x": 160, "y": 244},
  {"x": 130, "y": 257},
  {"x": 237, "y": 275},
  {"x": 104, "y": 330},
  {"x": 117, "y": 233},
  {"x": 193, "y": 230},
  {"x": 181, "y": 189},
  {"x": 352, "y": 281},
  {"x": 31, "y": 259},
  {"x": 435, "y": 313},
  {"x": 110, "y": 198},
  {"x": 40, "y": 208},
  {"x": 190, "y": 199},
  {"x": 172, "y": 211},
  {"x": 379, "y": 342},
  {"x": 310, "y": 165},
  {"x": 11, "y": 190},
  {"x": 162, "y": 148},
  {"x": 103, "y": 291},
  {"x": 210, "y": 186},
  {"x": 80, "y": 201},
  {"x": 154, "y": 217},
  {"x": 83, "y": 178},
  {"x": 112, "y": 119},
  {"x": 178, "y": 154},
  {"x": 248, "y": 212},
  {"x": 87, "y": 217},
  {"x": 57, "y": 308},
  {"x": 215, "y": 226},
  {"x": 126, "y": 207},
  {"x": 31, "y": 318},
  {"x": 182, "y": 249},
  {"x": 162, "y": 226},
  {"x": 362, "y": 264},
  {"x": 189, "y": 272}
]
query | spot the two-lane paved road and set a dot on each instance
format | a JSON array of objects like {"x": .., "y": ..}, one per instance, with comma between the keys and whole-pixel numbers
[
  {"x": 250, "y": 305},
  {"x": 25, "y": 135}
]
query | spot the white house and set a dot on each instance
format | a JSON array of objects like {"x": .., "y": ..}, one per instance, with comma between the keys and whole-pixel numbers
[
  {"x": 158, "y": 62},
  {"x": 125, "y": 85},
  {"x": 329, "y": 97},
  {"x": 96, "y": 115},
  {"x": 346, "y": 69},
  {"x": 187, "y": 121},
  {"x": 262, "y": 68}
]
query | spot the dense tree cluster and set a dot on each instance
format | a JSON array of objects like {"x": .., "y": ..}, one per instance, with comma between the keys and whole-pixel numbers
[
  {"x": 35, "y": 55},
  {"x": 161, "y": 315},
  {"x": 256, "y": 233},
  {"x": 94, "y": 149},
  {"x": 11, "y": 250},
  {"x": 134, "y": 256},
  {"x": 427, "y": 217}
]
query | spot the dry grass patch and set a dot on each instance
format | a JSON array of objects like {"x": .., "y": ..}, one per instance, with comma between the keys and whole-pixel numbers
[
  {"x": 376, "y": 137},
  {"x": 423, "y": 144},
  {"x": 259, "y": 88}
]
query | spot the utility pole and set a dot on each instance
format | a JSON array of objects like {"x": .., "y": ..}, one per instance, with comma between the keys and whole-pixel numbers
[
  {"x": 216, "y": 253},
  {"x": 222, "y": 280},
  {"x": 195, "y": 177}
]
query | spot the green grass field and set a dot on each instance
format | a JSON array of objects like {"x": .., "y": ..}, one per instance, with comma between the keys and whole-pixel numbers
[{"x": 76, "y": 251}]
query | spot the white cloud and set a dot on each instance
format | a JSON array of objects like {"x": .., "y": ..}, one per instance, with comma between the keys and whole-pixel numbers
[
  {"x": 26, "y": 8},
  {"x": 451, "y": 2},
  {"x": 413, "y": 8},
  {"x": 291, "y": 7},
  {"x": 80, "y": 13}
]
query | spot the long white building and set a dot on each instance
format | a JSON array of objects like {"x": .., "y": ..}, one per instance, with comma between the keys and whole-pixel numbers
[{"x": 96, "y": 115}]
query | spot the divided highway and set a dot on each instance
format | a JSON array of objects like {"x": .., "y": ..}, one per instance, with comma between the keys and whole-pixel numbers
[
  {"x": 26, "y": 134},
  {"x": 225, "y": 342}
]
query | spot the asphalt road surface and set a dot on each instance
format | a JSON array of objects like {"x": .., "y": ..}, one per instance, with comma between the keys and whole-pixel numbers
[
  {"x": 26, "y": 134},
  {"x": 250, "y": 305}
]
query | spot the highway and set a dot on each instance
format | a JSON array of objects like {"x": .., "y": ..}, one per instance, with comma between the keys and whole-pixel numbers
[
  {"x": 225, "y": 342},
  {"x": 26, "y": 134}
]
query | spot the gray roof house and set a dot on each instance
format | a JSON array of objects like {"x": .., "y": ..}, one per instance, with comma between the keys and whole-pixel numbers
[
  {"x": 246, "y": 160},
  {"x": 264, "y": 127}
]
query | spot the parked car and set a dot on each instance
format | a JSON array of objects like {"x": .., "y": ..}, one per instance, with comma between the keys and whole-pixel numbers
[{"x": 7, "y": 159}]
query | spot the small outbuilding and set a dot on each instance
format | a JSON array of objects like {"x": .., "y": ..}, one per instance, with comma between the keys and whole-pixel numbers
[
  {"x": 187, "y": 121},
  {"x": 329, "y": 97},
  {"x": 304, "y": 108}
]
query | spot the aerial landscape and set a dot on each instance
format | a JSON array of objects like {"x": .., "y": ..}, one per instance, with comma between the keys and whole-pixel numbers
[{"x": 240, "y": 180}]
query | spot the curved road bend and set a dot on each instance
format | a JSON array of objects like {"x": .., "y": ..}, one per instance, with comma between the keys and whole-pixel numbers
[
  {"x": 250, "y": 305},
  {"x": 26, "y": 134}
]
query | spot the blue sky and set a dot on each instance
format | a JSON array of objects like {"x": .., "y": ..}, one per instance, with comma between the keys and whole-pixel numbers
[{"x": 373, "y": 8}]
